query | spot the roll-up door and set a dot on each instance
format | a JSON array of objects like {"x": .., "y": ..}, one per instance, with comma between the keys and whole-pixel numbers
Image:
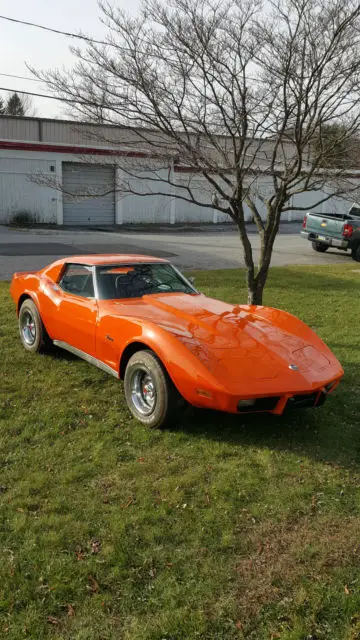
[{"x": 88, "y": 194}]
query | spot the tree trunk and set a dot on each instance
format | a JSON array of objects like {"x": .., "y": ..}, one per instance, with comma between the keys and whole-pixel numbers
[
  {"x": 255, "y": 294},
  {"x": 255, "y": 291},
  {"x": 256, "y": 286},
  {"x": 256, "y": 283}
]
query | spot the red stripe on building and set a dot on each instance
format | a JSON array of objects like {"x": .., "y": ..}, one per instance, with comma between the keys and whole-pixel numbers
[
  {"x": 55, "y": 148},
  {"x": 80, "y": 151}
]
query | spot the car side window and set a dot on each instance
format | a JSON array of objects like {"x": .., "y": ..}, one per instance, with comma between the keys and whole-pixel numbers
[{"x": 78, "y": 280}]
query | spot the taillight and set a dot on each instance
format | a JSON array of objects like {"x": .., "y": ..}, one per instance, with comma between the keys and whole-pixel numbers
[
  {"x": 348, "y": 230},
  {"x": 304, "y": 222}
]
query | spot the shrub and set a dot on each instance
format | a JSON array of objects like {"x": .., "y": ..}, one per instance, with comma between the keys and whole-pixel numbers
[{"x": 23, "y": 219}]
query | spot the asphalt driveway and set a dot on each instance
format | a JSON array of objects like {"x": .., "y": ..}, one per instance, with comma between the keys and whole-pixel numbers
[{"x": 216, "y": 247}]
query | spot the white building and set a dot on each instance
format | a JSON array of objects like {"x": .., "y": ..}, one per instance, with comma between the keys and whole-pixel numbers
[{"x": 68, "y": 173}]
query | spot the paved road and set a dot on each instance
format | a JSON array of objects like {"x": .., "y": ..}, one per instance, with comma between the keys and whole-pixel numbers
[{"x": 204, "y": 248}]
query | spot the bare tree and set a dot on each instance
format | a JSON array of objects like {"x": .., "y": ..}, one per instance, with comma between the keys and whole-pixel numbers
[
  {"x": 232, "y": 90},
  {"x": 337, "y": 148}
]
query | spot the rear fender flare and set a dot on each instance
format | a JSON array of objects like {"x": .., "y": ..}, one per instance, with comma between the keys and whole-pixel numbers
[{"x": 26, "y": 295}]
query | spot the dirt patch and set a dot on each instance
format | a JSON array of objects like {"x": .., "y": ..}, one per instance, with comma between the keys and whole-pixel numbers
[{"x": 282, "y": 554}]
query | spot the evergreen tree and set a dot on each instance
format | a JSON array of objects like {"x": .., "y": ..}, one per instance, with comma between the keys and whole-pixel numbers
[
  {"x": 2, "y": 107},
  {"x": 14, "y": 106}
]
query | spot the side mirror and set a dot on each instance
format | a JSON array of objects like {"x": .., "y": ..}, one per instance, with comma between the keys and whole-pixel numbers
[{"x": 192, "y": 280}]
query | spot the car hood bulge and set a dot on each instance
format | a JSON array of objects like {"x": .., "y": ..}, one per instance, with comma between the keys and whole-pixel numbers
[{"x": 232, "y": 340}]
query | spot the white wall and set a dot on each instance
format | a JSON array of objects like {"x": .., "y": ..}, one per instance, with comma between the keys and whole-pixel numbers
[
  {"x": 141, "y": 208},
  {"x": 188, "y": 212},
  {"x": 18, "y": 193}
]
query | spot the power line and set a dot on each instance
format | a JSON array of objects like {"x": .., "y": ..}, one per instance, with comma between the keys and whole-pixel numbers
[
  {"x": 90, "y": 103},
  {"x": 11, "y": 75},
  {"x": 43, "y": 95},
  {"x": 79, "y": 36},
  {"x": 69, "y": 34}
]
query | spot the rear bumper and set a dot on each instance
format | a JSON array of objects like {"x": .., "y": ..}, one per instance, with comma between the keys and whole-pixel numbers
[{"x": 331, "y": 242}]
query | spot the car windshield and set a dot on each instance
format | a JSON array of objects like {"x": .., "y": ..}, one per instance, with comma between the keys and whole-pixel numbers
[{"x": 136, "y": 280}]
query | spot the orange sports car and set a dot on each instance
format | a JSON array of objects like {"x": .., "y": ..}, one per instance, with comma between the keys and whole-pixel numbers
[{"x": 141, "y": 320}]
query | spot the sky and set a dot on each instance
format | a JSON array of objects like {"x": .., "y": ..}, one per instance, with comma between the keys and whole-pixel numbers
[{"x": 20, "y": 44}]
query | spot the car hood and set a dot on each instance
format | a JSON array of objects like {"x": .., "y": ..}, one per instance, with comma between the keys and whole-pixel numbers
[{"x": 236, "y": 341}]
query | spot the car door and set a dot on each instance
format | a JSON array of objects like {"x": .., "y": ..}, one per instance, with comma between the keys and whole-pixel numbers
[
  {"x": 77, "y": 308},
  {"x": 113, "y": 331}
]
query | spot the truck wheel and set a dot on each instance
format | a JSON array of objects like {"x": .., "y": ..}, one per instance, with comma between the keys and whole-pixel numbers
[
  {"x": 320, "y": 247},
  {"x": 355, "y": 253}
]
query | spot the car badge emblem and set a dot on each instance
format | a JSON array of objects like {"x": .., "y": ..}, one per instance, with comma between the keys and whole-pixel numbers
[{"x": 293, "y": 367}]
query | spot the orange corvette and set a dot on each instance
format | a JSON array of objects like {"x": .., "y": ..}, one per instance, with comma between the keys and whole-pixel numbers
[{"x": 141, "y": 320}]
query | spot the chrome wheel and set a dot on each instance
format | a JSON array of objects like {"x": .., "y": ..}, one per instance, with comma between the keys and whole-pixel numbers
[
  {"x": 28, "y": 328},
  {"x": 150, "y": 393},
  {"x": 143, "y": 392}
]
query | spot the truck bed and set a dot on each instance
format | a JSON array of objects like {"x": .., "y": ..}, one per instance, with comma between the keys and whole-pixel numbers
[{"x": 337, "y": 216}]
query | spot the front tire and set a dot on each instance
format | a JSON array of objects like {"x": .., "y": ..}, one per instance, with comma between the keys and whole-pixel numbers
[
  {"x": 150, "y": 394},
  {"x": 320, "y": 247},
  {"x": 32, "y": 331},
  {"x": 355, "y": 253}
]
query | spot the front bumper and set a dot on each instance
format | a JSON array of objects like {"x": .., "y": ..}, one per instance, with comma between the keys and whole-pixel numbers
[
  {"x": 305, "y": 401},
  {"x": 276, "y": 404},
  {"x": 281, "y": 404},
  {"x": 331, "y": 242}
]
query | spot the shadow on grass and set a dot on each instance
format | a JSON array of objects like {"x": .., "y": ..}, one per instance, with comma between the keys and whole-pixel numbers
[
  {"x": 329, "y": 433},
  {"x": 323, "y": 434},
  {"x": 61, "y": 354}
]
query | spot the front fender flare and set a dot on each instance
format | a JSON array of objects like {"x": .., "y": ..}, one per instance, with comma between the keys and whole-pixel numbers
[{"x": 186, "y": 371}]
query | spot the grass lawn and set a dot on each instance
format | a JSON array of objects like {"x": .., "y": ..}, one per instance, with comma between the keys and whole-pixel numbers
[{"x": 227, "y": 527}]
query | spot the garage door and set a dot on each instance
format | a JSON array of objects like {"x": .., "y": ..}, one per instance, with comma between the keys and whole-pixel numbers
[{"x": 89, "y": 194}]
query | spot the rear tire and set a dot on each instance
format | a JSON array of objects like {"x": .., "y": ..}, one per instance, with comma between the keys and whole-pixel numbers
[
  {"x": 150, "y": 394},
  {"x": 32, "y": 331},
  {"x": 320, "y": 247},
  {"x": 355, "y": 253}
]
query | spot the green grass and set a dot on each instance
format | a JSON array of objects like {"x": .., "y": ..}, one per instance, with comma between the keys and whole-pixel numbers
[{"x": 227, "y": 527}]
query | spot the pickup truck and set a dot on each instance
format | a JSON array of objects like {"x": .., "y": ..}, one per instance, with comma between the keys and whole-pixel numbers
[{"x": 326, "y": 230}]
